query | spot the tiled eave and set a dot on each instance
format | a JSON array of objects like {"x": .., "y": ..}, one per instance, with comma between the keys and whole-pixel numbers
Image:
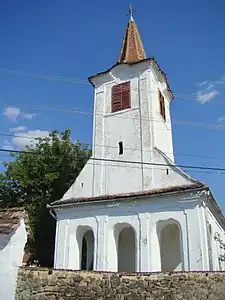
[{"x": 172, "y": 189}]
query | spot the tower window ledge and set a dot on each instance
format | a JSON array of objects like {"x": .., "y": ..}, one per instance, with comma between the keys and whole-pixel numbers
[{"x": 120, "y": 112}]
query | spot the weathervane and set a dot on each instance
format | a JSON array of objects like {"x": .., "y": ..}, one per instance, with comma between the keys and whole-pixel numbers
[{"x": 131, "y": 11}]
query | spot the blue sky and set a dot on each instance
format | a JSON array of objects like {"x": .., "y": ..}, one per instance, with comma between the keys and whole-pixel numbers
[{"x": 80, "y": 38}]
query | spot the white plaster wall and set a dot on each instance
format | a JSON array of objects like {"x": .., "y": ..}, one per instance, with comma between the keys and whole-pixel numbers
[
  {"x": 162, "y": 130},
  {"x": 111, "y": 128},
  {"x": 11, "y": 256},
  {"x": 165, "y": 175},
  {"x": 68, "y": 243},
  {"x": 215, "y": 245},
  {"x": 82, "y": 187},
  {"x": 143, "y": 215},
  {"x": 140, "y": 128}
]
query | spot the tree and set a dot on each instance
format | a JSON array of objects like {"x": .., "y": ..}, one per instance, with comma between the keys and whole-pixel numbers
[{"x": 39, "y": 175}]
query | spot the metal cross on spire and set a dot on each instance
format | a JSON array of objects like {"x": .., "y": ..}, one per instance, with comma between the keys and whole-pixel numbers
[{"x": 131, "y": 11}]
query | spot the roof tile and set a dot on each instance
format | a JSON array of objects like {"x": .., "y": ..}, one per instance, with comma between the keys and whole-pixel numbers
[
  {"x": 132, "y": 48},
  {"x": 170, "y": 189},
  {"x": 10, "y": 219}
]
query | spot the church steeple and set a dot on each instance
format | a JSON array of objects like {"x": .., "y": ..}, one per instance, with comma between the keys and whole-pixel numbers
[{"x": 132, "y": 48}]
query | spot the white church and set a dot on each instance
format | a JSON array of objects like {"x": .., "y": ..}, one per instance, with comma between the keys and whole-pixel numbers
[{"x": 132, "y": 209}]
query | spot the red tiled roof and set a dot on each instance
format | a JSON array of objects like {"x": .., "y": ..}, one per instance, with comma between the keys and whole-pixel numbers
[
  {"x": 171, "y": 189},
  {"x": 132, "y": 48},
  {"x": 132, "y": 52},
  {"x": 10, "y": 219}
]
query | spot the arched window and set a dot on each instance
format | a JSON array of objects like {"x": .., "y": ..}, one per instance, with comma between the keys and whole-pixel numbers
[
  {"x": 170, "y": 248},
  {"x": 86, "y": 243},
  {"x": 126, "y": 248}
]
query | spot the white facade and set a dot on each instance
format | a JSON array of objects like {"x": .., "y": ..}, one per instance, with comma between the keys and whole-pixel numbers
[
  {"x": 11, "y": 257},
  {"x": 136, "y": 211},
  {"x": 182, "y": 214}
]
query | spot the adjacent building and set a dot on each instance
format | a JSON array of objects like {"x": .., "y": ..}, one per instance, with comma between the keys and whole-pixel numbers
[{"x": 14, "y": 232}]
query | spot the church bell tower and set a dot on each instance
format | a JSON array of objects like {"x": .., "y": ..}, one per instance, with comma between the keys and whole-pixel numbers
[
  {"x": 132, "y": 137},
  {"x": 131, "y": 119}
]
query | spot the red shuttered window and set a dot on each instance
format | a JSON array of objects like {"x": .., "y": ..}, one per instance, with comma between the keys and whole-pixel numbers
[
  {"x": 121, "y": 96},
  {"x": 162, "y": 106}
]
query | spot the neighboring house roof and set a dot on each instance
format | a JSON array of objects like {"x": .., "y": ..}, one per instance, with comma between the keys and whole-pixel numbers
[
  {"x": 10, "y": 219},
  {"x": 153, "y": 192}
]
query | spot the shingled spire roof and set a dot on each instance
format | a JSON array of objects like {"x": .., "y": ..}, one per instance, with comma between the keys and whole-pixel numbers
[{"x": 132, "y": 48}]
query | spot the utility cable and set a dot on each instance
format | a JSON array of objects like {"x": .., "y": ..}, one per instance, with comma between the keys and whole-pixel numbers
[
  {"x": 125, "y": 161},
  {"x": 74, "y": 80},
  {"x": 168, "y": 125}
]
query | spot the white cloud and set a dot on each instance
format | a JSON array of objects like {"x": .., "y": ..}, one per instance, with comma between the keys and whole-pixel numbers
[
  {"x": 12, "y": 113},
  {"x": 208, "y": 89},
  {"x": 7, "y": 145},
  {"x": 204, "y": 96},
  {"x": 17, "y": 129},
  {"x": 202, "y": 83},
  {"x": 23, "y": 139},
  {"x": 212, "y": 82},
  {"x": 221, "y": 119},
  {"x": 29, "y": 116},
  {"x": 219, "y": 82}
]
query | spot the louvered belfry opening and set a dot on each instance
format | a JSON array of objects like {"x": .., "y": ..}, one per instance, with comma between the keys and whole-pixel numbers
[
  {"x": 162, "y": 106},
  {"x": 121, "y": 96}
]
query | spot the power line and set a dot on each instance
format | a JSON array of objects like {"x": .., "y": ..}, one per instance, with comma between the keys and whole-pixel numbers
[
  {"x": 76, "y": 110},
  {"x": 175, "y": 122},
  {"x": 125, "y": 161},
  {"x": 150, "y": 168},
  {"x": 116, "y": 147},
  {"x": 181, "y": 122},
  {"x": 75, "y": 80},
  {"x": 43, "y": 76}
]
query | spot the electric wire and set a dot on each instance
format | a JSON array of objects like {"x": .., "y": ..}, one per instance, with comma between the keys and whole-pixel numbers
[
  {"x": 218, "y": 173},
  {"x": 125, "y": 161},
  {"x": 31, "y": 138},
  {"x": 77, "y": 110},
  {"x": 75, "y": 80}
]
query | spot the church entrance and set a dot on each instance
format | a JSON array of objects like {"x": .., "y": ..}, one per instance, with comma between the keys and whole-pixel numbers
[
  {"x": 87, "y": 251},
  {"x": 126, "y": 250},
  {"x": 170, "y": 248}
]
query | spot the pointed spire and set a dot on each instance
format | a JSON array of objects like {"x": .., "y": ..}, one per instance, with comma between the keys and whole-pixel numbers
[{"x": 132, "y": 48}]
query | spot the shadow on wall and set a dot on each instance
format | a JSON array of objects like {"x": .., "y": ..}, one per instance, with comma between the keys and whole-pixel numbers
[
  {"x": 3, "y": 243},
  {"x": 170, "y": 242},
  {"x": 125, "y": 239}
]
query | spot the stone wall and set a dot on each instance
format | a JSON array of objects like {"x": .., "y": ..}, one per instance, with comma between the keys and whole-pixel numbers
[{"x": 47, "y": 284}]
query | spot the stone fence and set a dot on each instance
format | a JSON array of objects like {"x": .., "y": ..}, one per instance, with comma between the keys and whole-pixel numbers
[{"x": 48, "y": 284}]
